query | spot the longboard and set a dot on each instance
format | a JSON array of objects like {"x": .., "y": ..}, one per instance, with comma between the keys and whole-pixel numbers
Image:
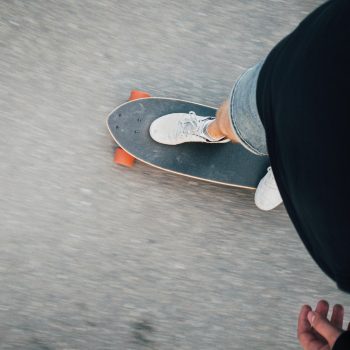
[{"x": 227, "y": 164}]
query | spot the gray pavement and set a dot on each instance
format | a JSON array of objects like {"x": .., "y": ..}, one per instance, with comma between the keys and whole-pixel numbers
[{"x": 96, "y": 256}]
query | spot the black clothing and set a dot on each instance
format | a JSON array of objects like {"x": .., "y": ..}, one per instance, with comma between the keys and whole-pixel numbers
[
  {"x": 303, "y": 98},
  {"x": 343, "y": 342}
]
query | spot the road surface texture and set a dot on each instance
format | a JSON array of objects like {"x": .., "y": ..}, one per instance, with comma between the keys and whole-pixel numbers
[{"x": 97, "y": 256}]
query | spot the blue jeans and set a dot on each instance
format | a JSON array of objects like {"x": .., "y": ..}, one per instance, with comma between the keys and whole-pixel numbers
[{"x": 244, "y": 114}]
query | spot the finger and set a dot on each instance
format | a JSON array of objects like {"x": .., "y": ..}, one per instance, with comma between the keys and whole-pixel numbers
[
  {"x": 303, "y": 322},
  {"x": 337, "y": 316},
  {"x": 322, "y": 308},
  {"x": 304, "y": 335},
  {"x": 324, "y": 327}
]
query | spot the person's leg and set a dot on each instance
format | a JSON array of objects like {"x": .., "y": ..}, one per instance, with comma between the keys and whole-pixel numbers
[
  {"x": 236, "y": 120},
  {"x": 239, "y": 116},
  {"x": 221, "y": 126}
]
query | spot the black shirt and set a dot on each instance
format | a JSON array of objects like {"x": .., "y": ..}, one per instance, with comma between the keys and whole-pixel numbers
[
  {"x": 303, "y": 98},
  {"x": 343, "y": 342}
]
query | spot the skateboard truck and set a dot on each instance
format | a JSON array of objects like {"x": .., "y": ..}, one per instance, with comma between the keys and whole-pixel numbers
[{"x": 122, "y": 157}]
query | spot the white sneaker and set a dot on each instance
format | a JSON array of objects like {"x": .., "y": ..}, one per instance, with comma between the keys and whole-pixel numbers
[
  {"x": 267, "y": 196},
  {"x": 176, "y": 128}
]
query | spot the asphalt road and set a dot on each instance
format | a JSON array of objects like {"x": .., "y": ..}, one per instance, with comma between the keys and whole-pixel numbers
[{"x": 96, "y": 256}]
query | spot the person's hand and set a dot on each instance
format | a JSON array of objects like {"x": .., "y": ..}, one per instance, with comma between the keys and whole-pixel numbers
[{"x": 315, "y": 332}]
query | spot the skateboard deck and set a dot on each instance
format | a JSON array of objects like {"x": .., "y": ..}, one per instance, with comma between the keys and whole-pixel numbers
[{"x": 227, "y": 163}]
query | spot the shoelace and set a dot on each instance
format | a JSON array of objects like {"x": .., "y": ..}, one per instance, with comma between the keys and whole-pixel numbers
[{"x": 190, "y": 125}]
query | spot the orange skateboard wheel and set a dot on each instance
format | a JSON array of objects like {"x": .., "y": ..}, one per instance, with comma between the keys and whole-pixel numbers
[
  {"x": 136, "y": 94},
  {"x": 122, "y": 157}
]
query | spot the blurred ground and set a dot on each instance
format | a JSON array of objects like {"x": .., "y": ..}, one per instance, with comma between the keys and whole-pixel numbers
[{"x": 95, "y": 256}]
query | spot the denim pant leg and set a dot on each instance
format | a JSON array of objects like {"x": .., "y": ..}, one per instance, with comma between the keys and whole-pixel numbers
[{"x": 244, "y": 114}]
